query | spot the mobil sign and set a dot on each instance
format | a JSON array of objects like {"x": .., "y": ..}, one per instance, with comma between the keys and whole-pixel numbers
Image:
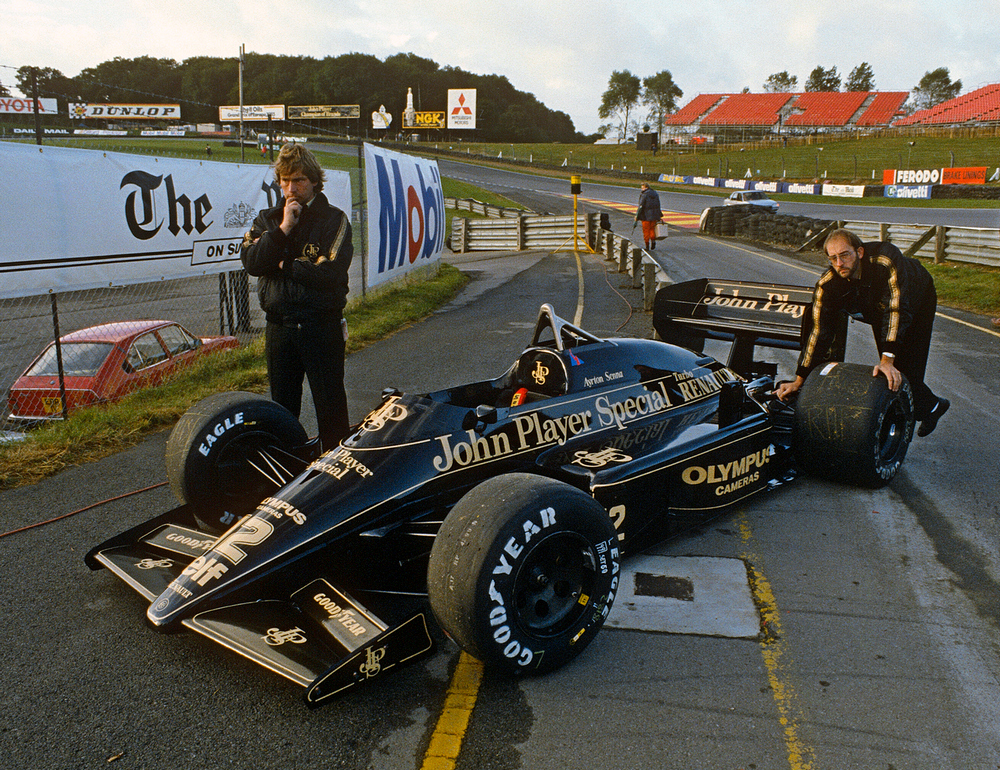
[{"x": 406, "y": 219}]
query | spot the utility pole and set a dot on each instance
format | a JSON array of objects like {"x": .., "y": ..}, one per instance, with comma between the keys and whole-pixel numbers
[
  {"x": 34, "y": 99},
  {"x": 242, "y": 54}
]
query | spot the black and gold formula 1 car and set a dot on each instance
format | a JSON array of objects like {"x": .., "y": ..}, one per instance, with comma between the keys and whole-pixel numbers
[{"x": 499, "y": 509}]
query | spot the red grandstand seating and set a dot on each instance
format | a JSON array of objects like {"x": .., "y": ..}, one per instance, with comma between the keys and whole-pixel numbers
[
  {"x": 826, "y": 108},
  {"x": 747, "y": 110},
  {"x": 882, "y": 109},
  {"x": 980, "y": 105},
  {"x": 693, "y": 110}
]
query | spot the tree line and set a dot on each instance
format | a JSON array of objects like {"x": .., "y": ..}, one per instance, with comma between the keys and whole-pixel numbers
[
  {"x": 934, "y": 87},
  {"x": 202, "y": 84}
]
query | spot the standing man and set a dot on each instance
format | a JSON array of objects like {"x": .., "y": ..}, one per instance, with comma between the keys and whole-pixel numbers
[
  {"x": 893, "y": 293},
  {"x": 649, "y": 214},
  {"x": 300, "y": 250}
]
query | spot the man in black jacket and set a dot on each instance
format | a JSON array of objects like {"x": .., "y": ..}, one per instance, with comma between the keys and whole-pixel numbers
[
  {"x": 649, "y": 214},
  {"x": 893, "y": 293},
  {"x": 300, "y": 251}
]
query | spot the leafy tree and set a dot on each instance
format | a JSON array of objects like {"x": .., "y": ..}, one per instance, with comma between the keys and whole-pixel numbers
[
  {"x": 3, "y": 90},
  {"x": 202, "y": 84},
  {"x": 861, "y": 78},
  {"x": 661, "y": 93},
  {"x": 821, "y": 79},
  {"x": 143, "y": 79},
  {"x": 781, "y": 83},
  {"x": 51, "y": 82},
  {"x": 620, "y": 99},
  {"x": 935, "y": 87}
]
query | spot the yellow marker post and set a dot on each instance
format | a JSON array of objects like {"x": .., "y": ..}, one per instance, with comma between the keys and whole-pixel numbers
[{"x": 579, "y": 244}]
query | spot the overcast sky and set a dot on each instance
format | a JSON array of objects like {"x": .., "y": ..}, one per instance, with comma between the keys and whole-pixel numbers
[{"x": 562, "y": 52}]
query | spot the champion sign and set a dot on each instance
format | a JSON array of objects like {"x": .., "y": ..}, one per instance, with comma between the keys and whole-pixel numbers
[{"x": 406, "y": 218}]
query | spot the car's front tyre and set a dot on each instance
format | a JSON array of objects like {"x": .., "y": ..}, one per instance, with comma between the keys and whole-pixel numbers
[
  {"x": 523, "y": 572},
  {"x": 209, "y": 452}
]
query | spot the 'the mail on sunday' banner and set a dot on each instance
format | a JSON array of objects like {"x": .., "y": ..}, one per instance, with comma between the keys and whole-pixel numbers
[
  {"x": 406, "y": 219},
  {"x": 103, "y": 219}
]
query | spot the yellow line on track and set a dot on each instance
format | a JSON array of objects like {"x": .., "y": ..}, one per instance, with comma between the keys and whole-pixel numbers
[
  {"x": 446, "y": 741},
  {"x": 774, "y": 649}
]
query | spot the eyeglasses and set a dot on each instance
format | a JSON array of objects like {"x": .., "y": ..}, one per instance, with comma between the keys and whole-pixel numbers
[{"x": 843, "y": 257}]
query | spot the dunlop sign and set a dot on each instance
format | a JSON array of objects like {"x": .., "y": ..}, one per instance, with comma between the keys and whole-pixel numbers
[{"x": 125, "y": 111}]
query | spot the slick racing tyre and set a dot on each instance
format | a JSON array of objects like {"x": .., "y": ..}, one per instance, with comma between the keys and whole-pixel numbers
[
  {"x": 850, "y": 427},
  {"x": 209, "y": 450},
  {"x": 523, "y": 572}
]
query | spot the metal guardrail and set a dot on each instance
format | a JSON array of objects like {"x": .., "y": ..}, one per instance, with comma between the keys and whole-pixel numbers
[
  {"x": 518, "y": 231},
  {"x": 974, "y": 245}
]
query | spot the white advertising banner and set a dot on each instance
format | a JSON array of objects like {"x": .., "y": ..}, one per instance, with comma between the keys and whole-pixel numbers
[
  {"x": 406, "y": 218},
  {"x": 108, "y": 219},
  {"x": 462, "y": 108},
  {"x": 14, "y": 105},
  {"x": 258, "y": 112},
  {"x": 125, "y": 111}
]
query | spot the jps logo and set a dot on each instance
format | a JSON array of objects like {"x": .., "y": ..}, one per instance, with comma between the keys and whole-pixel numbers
[
  {"x": 600, "y": 459},
  {"x": 276, "y": 637},
  {"x": 389, "y": 412},
  {"x": 311, "y": 252},
  {"x": 541, "y": 373},
  {"x": 372, "y": 665}
]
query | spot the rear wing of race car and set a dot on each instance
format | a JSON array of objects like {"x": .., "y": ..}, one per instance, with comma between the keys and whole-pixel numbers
[{"x": 746, "y": 313}]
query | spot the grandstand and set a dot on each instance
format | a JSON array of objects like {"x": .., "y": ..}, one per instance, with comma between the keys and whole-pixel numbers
[
  {"x": 826, "y": 110},
  {"x": 979, "y": 106},
  {"x": 747, "y": 110},
  {"x": 806, "y": 111},
  {"x": 693, "y": 110},
  {"x": 883, "y": 109}
]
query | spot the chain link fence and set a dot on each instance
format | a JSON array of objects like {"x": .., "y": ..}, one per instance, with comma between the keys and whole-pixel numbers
[{"x": 205, "y": 306}]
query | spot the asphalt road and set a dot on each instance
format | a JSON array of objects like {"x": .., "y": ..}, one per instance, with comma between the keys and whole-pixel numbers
[{"x": 880, "y": 610}]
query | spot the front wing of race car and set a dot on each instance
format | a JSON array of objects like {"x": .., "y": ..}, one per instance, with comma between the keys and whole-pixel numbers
[{"x": 319, "y": 636}]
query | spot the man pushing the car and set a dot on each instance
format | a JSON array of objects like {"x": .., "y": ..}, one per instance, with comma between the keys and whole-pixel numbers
[{"x": 895, "y": 294}]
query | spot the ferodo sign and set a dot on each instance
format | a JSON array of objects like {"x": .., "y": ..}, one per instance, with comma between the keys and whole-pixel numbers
[
  {"x": 911, "y": 176},
  {"x": 406, "y": 219}
]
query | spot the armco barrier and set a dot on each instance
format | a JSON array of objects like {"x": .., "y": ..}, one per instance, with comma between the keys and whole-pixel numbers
[
  {"x": 973, "y": 245},
  {"x": 525, "y": 231}
]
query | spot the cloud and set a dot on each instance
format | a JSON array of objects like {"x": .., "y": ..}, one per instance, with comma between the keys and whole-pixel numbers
[{"x": 562, "y": 52}]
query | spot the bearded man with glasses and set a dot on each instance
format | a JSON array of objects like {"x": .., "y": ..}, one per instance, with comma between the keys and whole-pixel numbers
[{"x": 877, "y": 284}]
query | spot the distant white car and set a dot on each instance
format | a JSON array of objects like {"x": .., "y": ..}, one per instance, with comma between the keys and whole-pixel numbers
[{"x": 754, "y": 198}]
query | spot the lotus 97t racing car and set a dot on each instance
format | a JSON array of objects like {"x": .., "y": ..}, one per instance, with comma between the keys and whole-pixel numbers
[{"x": 501, "y": 509}]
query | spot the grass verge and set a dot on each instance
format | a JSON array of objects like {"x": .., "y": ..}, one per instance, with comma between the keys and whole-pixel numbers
[{"x": 102, "y": 431}]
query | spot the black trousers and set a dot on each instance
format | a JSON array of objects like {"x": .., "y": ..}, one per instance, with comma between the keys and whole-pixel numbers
[
  {"x": 313, "y": 349},
  {"x": 911, "y": 359}
]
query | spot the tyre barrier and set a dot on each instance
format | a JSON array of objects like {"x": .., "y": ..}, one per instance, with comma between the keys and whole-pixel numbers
[{"x": 751, "y": 223}]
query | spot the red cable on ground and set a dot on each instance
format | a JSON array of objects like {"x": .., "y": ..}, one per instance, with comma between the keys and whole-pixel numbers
[
  {"x": 81, "y": 510},
  {"x": 630, "y": 308}
]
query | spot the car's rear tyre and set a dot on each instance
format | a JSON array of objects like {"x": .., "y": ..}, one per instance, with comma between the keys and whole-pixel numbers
[
  {"x": 523, "y": 572},
  {"x": 850, "y": 427},
  {"x": 209, "y": 449}
]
